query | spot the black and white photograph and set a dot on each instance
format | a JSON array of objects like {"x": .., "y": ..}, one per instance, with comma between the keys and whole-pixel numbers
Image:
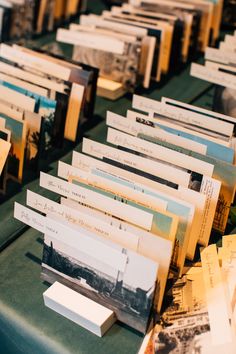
[{"x": 126, "y": 285}]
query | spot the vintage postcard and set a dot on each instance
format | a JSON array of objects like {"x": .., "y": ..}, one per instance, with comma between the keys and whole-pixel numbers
[
  {"x": 146, "y": 197},
  {"x": 223, "y": 172},
  {"x": 217, "y": 150},
  {"x": 17, "y": 152},
  {"x": 87, "y": 163},
  {"x": 146, "y": 244},
  {"x": 130, "y": 126},
  {"x": 106, "y": 276},
  {"x": 164, "y": 224},
  {"x": 184, "y": 211},
  {"x": 205, "y": 112},
  {"x": 4, "y": 151},
  {"x": 194, "y": 123},
  {"x": 159, "y": 153},
  {"x": 129, "y": 213},
  {"x": 198, "y": 182}
]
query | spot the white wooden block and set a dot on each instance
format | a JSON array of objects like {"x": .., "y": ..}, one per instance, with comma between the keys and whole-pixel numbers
[{"x": 79, "y": 309}]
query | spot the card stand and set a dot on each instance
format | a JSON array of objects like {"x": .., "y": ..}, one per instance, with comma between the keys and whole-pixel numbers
[
  {"x": 109, "y": 89},
  {"x": 79, "y": 309}
]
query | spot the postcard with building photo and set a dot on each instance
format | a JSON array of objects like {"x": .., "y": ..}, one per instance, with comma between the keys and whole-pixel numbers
[
  {"x": 115, "y": 277},
  {"x": 119, "y": 64},
  {"x": 184, "y": 326},
  {"x": 113, "y": 229},
  {"x": 152, "y": 30},
  {"x": 112, "y": 66}
]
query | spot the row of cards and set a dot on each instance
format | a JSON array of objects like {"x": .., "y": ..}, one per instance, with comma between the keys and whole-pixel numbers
[
  {"x": 143, "y": 39},
  {"x": 156, "y": 189},
  {"x": 46, "y": 99},
  {"x": 220, "y": 68},
  {"x": 23, "y": 18},
  {"x": 201, "y": 317}
]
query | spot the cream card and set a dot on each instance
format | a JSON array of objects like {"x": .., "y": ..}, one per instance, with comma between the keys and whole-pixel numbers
[
  {"x": 67, "y": 171},
  {"x": 87, "y": 163},
  {"x": 2, "y": 123},
  {"x": 91, "y": 40},
  {"x": 30, "y": 77},
  {"x": 206, "y": 113},
  {"x": 180, "y": 115},
  {"x": 134, "y": 128},
  {"x": 198, "y": 133},
  {"x": 213, "y": 76},
  {"x": 209, "y": 187},
  {"x": 221, "y": 331},
  {"x": 152, "y": 167},
  {"x": 4, "y": 151},
  {"x": 97, "y": 201},
  {"x": 35, "y": 62},
  {"x": 19, "y": 99},
  {"x": 220, "y": 56},
  {"x": 158, "y": 152}
]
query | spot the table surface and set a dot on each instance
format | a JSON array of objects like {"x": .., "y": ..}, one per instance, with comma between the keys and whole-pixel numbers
[{"x": 26, "y": 325}]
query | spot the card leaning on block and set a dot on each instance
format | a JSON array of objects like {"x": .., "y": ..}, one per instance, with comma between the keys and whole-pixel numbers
[
  {"x": 113, "y": 276},
  {"x": 108, "y": 227},
  {"x": 79, "y": 309}
]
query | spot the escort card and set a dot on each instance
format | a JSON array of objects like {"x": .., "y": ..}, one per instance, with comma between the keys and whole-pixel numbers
[
  {"x": 97, "y": 201},
  {"x": 221, "y": 331}
]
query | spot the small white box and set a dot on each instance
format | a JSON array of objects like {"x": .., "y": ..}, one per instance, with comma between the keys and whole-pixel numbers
[{"x": 79, "y": 309}]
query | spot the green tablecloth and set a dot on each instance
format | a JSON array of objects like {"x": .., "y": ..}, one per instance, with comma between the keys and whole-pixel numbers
[{"x": 26, "y": 326}]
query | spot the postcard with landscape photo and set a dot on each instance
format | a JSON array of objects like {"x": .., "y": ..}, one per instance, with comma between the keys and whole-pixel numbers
[
  {"x": 115, "y": 277},
  {"x": 44, "y": 106},
  {"x": 18, "y": 138}
]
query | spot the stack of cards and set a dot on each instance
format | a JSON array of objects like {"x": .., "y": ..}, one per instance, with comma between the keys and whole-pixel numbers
[
  {"x": 220, "y": 69},
  {"x": 142, "y": 40},
  {"x": 112, "y": 249},
  {"x": 44, "y": 100},
  {"x": 159, "y": 186},
  {"x": 24, "y": 18},
  {"x": 189, "y": 156},
  {"x": 202, "y": 314}
]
